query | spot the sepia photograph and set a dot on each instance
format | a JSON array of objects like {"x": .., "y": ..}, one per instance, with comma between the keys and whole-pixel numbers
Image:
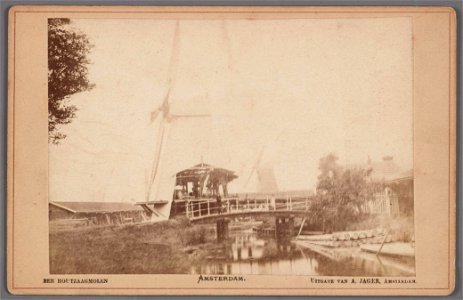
[
  {"x": 250, "y": 151},
  {"x": 231, "y": 146}
]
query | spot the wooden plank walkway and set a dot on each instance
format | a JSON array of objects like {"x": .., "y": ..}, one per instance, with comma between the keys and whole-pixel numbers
[
  {"x": 391, "y": 249},
  {"x": 211, "y": 208}
]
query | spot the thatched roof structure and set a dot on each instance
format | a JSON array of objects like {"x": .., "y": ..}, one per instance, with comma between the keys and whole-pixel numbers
[{"x": 200, "y": 171}]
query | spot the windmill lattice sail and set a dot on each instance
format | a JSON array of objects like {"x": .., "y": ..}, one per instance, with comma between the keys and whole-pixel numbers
[{"x": 161, "y": 184}]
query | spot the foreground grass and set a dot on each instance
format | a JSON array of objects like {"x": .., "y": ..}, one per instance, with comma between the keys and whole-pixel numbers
[{"x": 159, "y": 248}]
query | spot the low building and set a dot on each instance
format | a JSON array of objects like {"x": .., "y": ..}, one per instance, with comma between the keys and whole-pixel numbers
[
  {"x": 402, "y": 186},
  {"x": 396, "y": 197},
  {"x": 202, "y": 182},
  {"x": 96, "y": 213}
]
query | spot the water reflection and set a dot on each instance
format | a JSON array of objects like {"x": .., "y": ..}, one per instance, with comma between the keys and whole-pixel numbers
[{"x": 246, "y": 253}]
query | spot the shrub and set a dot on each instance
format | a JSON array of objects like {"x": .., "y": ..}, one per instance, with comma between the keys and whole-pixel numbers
[{"x": 195, "y": 235}]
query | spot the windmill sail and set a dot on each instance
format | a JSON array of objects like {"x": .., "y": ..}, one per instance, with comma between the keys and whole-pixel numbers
[
  {"x": 163, "y": 182},
  {"x": 158, "y": 185},
  {"x": 167, "y": 157}
]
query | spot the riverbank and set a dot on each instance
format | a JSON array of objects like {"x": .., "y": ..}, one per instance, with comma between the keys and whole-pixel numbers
[{"x": 150, "y": 248}]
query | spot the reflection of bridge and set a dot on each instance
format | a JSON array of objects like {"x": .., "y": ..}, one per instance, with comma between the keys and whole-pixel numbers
[{"x": 237, "y": 207}]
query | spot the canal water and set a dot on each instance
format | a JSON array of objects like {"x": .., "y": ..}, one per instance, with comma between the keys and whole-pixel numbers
[{"x": 247, "y": 253}]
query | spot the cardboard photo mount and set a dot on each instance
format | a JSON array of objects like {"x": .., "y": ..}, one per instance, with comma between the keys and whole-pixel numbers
[{"x": 434, "y": 158}]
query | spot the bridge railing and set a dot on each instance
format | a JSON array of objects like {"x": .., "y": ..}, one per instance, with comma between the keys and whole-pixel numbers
[{"x": 212, "y": 207}]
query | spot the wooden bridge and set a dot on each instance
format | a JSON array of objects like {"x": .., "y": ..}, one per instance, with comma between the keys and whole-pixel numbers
[{"x": 211, "y": 209}]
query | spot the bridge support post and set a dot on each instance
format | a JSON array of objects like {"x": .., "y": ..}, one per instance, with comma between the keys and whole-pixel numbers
[
  {"x": 284, "y": 227},
  {"x": 222, "y": 230}
]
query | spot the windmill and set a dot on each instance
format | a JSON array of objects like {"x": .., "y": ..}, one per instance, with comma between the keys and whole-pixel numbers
[
  {"x": 164, "y": 116},
  {"x": 265, "y": 171}
]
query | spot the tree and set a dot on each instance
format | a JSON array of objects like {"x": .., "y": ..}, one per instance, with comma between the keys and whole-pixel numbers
[
  {"x": 67, "y": 73},
  {"x": 341, "y": 192}
]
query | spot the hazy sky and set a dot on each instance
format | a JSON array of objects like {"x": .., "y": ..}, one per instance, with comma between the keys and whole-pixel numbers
[{"x": 300, "y": 88}]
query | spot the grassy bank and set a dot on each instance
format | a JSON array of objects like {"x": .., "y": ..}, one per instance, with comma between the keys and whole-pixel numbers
[{"x": 166, "y": 247}]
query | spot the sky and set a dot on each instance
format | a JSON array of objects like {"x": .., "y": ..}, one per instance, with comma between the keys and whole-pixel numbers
[{"x": 298, "y": 89}]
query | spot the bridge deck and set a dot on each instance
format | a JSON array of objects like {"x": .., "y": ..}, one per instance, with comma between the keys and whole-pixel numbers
[{"x": 234, "y": 207}]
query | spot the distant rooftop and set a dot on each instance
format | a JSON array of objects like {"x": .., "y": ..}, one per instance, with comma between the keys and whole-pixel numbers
[
  {"x": 404, "y": 175},
  {"x": 386, "y": 169},
  {"x": 101, "y": 207}
]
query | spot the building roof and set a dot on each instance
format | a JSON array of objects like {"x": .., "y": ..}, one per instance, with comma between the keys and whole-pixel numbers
[
  {"x": 386, "y": 169},
  {"x": 96, "y": 207},
  {"x": 200, "y": 170},
  {"x": 406, "y": 175}
]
